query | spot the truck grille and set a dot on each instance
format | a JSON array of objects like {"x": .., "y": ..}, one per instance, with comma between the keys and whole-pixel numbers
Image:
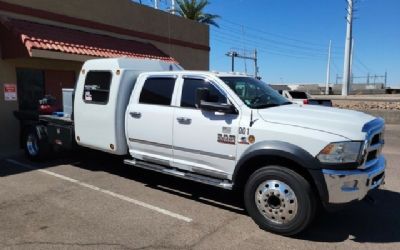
[{"x": 374, "y": 139}]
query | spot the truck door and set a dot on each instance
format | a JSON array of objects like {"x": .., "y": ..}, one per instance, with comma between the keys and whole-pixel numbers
[
  {"x": 149, "y": 120},
  {"x": 204, "y": 141}
]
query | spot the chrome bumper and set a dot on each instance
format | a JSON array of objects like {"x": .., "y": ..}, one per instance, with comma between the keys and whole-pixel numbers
[{"x": 348, "y": 185}]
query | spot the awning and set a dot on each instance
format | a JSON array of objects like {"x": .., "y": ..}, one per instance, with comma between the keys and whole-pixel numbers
[{"x": 35, "y": 36}]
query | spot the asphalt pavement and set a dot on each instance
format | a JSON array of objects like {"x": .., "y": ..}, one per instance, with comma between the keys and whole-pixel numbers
[{"x": 93, "y": 201}]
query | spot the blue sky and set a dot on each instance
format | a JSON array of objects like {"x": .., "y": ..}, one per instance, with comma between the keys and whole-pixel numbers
[{"x": 292, "y": 38}]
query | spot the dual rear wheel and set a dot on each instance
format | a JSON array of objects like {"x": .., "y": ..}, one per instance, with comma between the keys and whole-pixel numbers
[{"x": 36, "y": 148}]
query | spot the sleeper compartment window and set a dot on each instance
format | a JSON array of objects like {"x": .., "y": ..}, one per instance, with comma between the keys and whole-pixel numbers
[{"x": 97, "y": 87}]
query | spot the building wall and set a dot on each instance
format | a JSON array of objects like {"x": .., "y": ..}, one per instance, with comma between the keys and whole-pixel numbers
[
  {"x": 127, "y": 15},
  {"x": 9, "y": 125}
]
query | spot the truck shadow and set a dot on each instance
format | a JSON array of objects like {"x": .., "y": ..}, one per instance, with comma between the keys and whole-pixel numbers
[
  {"x": 377, "y": 222},
  {"x": 217, "y": 197}
]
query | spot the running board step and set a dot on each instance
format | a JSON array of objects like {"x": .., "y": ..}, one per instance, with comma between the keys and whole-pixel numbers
[{"x": 225, "y": 184}]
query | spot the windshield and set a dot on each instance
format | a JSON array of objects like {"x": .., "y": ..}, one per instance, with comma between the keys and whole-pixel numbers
[{"x": 255, "y": 93}]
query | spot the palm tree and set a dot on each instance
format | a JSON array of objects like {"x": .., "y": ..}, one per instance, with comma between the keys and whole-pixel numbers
[{"x": 193, "y": 9}]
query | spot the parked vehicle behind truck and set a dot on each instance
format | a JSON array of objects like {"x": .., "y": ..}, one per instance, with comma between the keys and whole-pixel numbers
[
  {"x": 222, "y": 129},
  {"x": 302, "y": 97}
]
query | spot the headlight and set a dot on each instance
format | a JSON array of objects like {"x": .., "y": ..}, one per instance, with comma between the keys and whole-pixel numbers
[{"x": 341, "y": 152}]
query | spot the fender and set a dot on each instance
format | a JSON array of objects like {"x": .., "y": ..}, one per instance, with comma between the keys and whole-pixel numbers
[{"x": 288, "y": 151}]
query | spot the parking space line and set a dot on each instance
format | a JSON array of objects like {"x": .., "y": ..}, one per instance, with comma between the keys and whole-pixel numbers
[{"x": 119, "y": 196}]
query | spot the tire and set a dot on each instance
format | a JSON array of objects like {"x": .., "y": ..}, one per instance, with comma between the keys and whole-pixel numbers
[
  {"x": 36, "y": 149},
  {"x": 280, "y": 200}
]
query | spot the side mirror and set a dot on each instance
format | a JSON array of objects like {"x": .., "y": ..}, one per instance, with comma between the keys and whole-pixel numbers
[
  {"x": 202, "y": 94},
  {"x": 202, "y": 102}
]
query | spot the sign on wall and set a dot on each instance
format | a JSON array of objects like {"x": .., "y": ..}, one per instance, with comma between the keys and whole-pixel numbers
[{"x": 10, "y": 92}]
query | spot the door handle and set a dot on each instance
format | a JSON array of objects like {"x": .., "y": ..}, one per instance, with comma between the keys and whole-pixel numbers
[
  {"x": 184, "y": 120},
  {"x": 135, "y": 114}
]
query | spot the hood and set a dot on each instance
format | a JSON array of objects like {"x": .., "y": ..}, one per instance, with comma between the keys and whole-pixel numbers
[{"x": 343, "y": 122}]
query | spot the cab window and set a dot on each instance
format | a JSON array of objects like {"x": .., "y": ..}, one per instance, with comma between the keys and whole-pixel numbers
[
  {"x": 188, "y": 98},
  {"x": 157, "y": 91}
]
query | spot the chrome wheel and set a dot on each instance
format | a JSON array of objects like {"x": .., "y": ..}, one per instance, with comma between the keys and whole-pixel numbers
[
  {"x": 32, "y": 145},
  {"x": 276, "y": 201}
]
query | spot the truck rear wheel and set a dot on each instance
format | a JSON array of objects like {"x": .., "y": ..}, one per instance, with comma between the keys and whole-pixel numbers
[
  {"x": 36, "y": 148},
  {"x": 280, "y": 200}
]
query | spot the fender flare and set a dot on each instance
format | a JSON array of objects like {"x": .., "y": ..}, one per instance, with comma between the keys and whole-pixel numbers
[{"x": 290, "y": 152}]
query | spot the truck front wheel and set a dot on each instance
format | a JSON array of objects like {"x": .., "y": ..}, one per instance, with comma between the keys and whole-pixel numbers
[
  {"x": 36, "y": 148},
  {"x": 280, "y": 200}
]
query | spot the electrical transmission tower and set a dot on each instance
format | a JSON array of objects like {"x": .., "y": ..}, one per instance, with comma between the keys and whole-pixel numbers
[{"x": 234, "y": 54}]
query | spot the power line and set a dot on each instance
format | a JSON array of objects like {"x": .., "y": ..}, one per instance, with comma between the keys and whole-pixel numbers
[
  {"x": 363, "y": 65},
  {"x": 233, "y": 39},
  {"x": 230, "y": 37},
  {"x": 272, "y": 41},
  {"x": 276, "y": 35},
  {"x": 267, "y": 51}
]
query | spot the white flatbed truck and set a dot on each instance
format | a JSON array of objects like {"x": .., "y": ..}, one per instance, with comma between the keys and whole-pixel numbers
[{"x": 225, "y": 130}]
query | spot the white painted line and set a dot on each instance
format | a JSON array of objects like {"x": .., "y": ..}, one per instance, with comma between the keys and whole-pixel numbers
[{"x": 119, "y": 196}]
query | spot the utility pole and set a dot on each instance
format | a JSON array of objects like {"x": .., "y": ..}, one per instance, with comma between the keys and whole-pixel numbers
[
  {"x": 173, "y": 12},
  {"x": 351, "y": 65},
  {"x": 232, "y": 54},
  {"x": 328, "y": 69},
  {"x": 244, "y": 50},
  {"x": 347, "y": 52},
  {"x": 255, "y": 64},
  {"x": 385, "y": 78}
]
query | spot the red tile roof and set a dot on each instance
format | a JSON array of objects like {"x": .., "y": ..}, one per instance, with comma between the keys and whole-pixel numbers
[{"x": 59, "y": 39}]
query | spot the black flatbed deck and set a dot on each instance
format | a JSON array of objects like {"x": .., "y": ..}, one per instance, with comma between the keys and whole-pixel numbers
[{"x": 67, "y": 121}]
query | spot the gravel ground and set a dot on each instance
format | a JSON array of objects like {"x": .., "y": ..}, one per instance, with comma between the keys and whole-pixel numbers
[{"x": 366, "y": 105}]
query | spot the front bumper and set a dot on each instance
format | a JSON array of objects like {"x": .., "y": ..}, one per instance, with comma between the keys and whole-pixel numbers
[{"x": 348, "y": 185}]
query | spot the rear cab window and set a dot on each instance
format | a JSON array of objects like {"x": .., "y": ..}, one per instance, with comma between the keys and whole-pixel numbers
[
  {"x": 298, "y": 94},
  {"x": 97, "y": 87},
  {"x": 157, "y": 91}
]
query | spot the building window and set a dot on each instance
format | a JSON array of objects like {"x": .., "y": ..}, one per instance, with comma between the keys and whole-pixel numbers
[
  {"x": 188, "y": 99},
  {"x": 97, "y": 87},
  {"x": 157, "y": 91}
]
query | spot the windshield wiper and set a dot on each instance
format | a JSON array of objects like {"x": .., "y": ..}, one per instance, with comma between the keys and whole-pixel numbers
[{"x": 262, "y": 106}]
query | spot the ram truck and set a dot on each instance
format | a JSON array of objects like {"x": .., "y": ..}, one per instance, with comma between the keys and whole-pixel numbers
[{"x": 222, "y": 129}]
